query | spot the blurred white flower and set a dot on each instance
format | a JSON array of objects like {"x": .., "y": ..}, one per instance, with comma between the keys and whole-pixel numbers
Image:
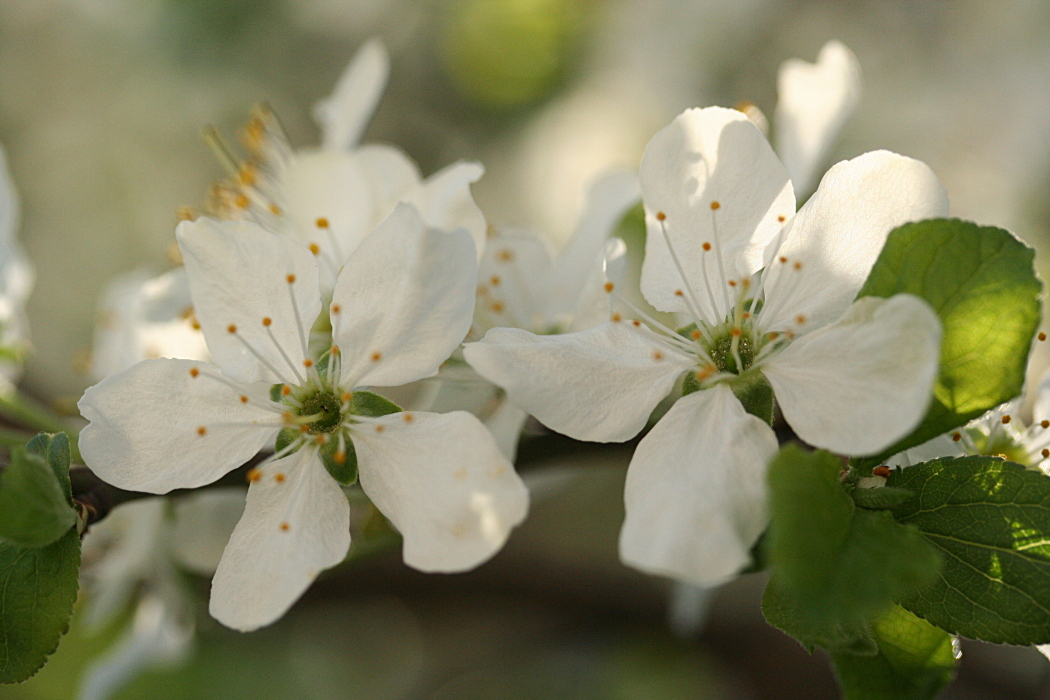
[
  {"x": 402, "y": 303},
  {"x": 998, "y": 433},
  {"x": 142, "y": 317},
  {"x": 520, "y": 285},
  {"x": 720, "y": 207},
  {"x": 16, "y": 282},
  {"x": 330, "y": 198},
  {"x": 814, "y": 102},
  {"x": 133, "y": 558}
]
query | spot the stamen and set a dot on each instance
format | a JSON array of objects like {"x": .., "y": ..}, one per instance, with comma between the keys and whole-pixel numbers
[
  {"x": 298, "y": 317},
  {"x": 692, "y": 304},
  {"x": 232, "y": 329}
]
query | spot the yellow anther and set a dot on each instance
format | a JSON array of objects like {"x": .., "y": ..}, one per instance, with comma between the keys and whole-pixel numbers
[
  {"x": 202, "y": 431},
  {"x": 715, "y": 205},
  {"x": 194, "y": 371},
  {"x": 291, "y": 279},
  {"x": 660, "y": 216},
  {"x": 315, "y": 249},
  {"x": 267, "y": 320},
  {"x": 232, "y": 328},
  {"x": 322, "y": 222}
]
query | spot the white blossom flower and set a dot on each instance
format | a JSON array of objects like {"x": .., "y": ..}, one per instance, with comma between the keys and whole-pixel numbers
[
  {"x": 719, "y": 206},
  {"x": 16, "y": 282},
  {"x": 521, "y": 285},
  {"x": 402, "y": 303},
  {"x": 814, "y": 102},
  {"x": 144, "y": 317},
  {"x": 1000, "y": 432},
  {"x": 329, "y": 198},
  {"x": 134, "y": 558}
]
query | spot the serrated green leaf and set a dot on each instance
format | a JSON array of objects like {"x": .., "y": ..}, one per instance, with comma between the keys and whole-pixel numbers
[
  {"x": 880, "y": 499},
  {"x": 54, "y": 449},
  {"x": 783, "y": 612},
  {"x": 365, "y": 403},
  {"x": 34, "y": 510},
  {"x": 981, "y": 282},
  {"x": 991, "y": 519},
  {"x": 915, "y": 661},
  {"x": 839, "y": 563},
  {"x": 38, "y": 587}
]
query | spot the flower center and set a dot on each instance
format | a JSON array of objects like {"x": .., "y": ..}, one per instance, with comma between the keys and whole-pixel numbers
[
  {"x": 326, "y": 407},
  {"x": 724, "y": 357}
]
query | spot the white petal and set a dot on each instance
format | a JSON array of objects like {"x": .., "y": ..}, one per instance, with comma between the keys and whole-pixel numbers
[
  {"x": 815, "y": 100},
  {"x": 239, "y": 275},
  {"x": 514, "y": 284},
  {"x": 443, "y": 483},
  {"x": 145, "y": 430},
  {"x": 940, "y": 446},
  {"x": 203, "y": 523},
  {"x": 390, "y": 174},
  {"x": 696, "y": 490},
  {"x": 506, "y": 423},
  {"x": 406, "y": 300},
  {"x": 144, "y": 317},
  {"x": 294, "y": 526},
  {"x": 704, "y": 156},
  {"x": 598, "y": 385},
  {"x": 329, "y": 187},
  {"x": 820, "y": 261},
  {"x": 863, "y": 382},
  {"x": 608, "y": 199},
  {"x": 345, "y": 113},
  {"x": 444, "y": 201}
]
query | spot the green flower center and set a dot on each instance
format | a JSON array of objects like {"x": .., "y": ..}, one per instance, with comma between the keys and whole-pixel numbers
[
  {"x": 326, "y": 407},
  {"x": 725, "y": 360}
]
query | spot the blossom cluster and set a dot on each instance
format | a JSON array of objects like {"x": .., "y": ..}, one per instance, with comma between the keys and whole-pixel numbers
[{"x": 319, "y": 275}]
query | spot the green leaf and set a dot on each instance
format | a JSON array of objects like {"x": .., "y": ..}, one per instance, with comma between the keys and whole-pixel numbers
[
  {"x": 915, "y": 661},
  {"x": 783, "y": 612},
  {"x": 365, "y": 403},
  {"x": 880, "y": 499},
  {"x": 991, "y": 519},
  {"x": 981, "y": 282},
  {"x": 839, "y": 563},
  {"x": 38, "y": 587},
  {"x": 54, "y": 449},
  {"x": 34, "y": 510}
]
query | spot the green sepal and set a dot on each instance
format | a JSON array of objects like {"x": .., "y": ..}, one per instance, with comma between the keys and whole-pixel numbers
[
  {"x": 36, "y": 603},
  {"x": 982, "y": 284},
  {"x": 837, "y": 562},
  {"x": 914, "y": 661},
  {"x": 34, "y": 505},
  {"x": 275, "y": 392},
  {"x": 286, "y": 437},
  {"x": 756, "y": 394},
  {"x": 344, "y": 472},
  {"x": 365, "y": 403},
  {"x": 54, "y": 449},
  {"x": 991, "y": 519},
  {"x": 782, "y": 610},
  {"x": 884, "y": 498}
]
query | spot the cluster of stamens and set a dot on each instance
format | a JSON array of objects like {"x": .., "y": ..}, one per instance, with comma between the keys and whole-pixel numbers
[{"x": 727, "y": 347}]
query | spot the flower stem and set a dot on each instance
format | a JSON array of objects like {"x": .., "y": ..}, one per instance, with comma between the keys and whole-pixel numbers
[{"x": 30, "y": 413}]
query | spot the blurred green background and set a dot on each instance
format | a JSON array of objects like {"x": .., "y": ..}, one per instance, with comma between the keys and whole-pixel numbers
[{"x": 102, "y": 103}]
